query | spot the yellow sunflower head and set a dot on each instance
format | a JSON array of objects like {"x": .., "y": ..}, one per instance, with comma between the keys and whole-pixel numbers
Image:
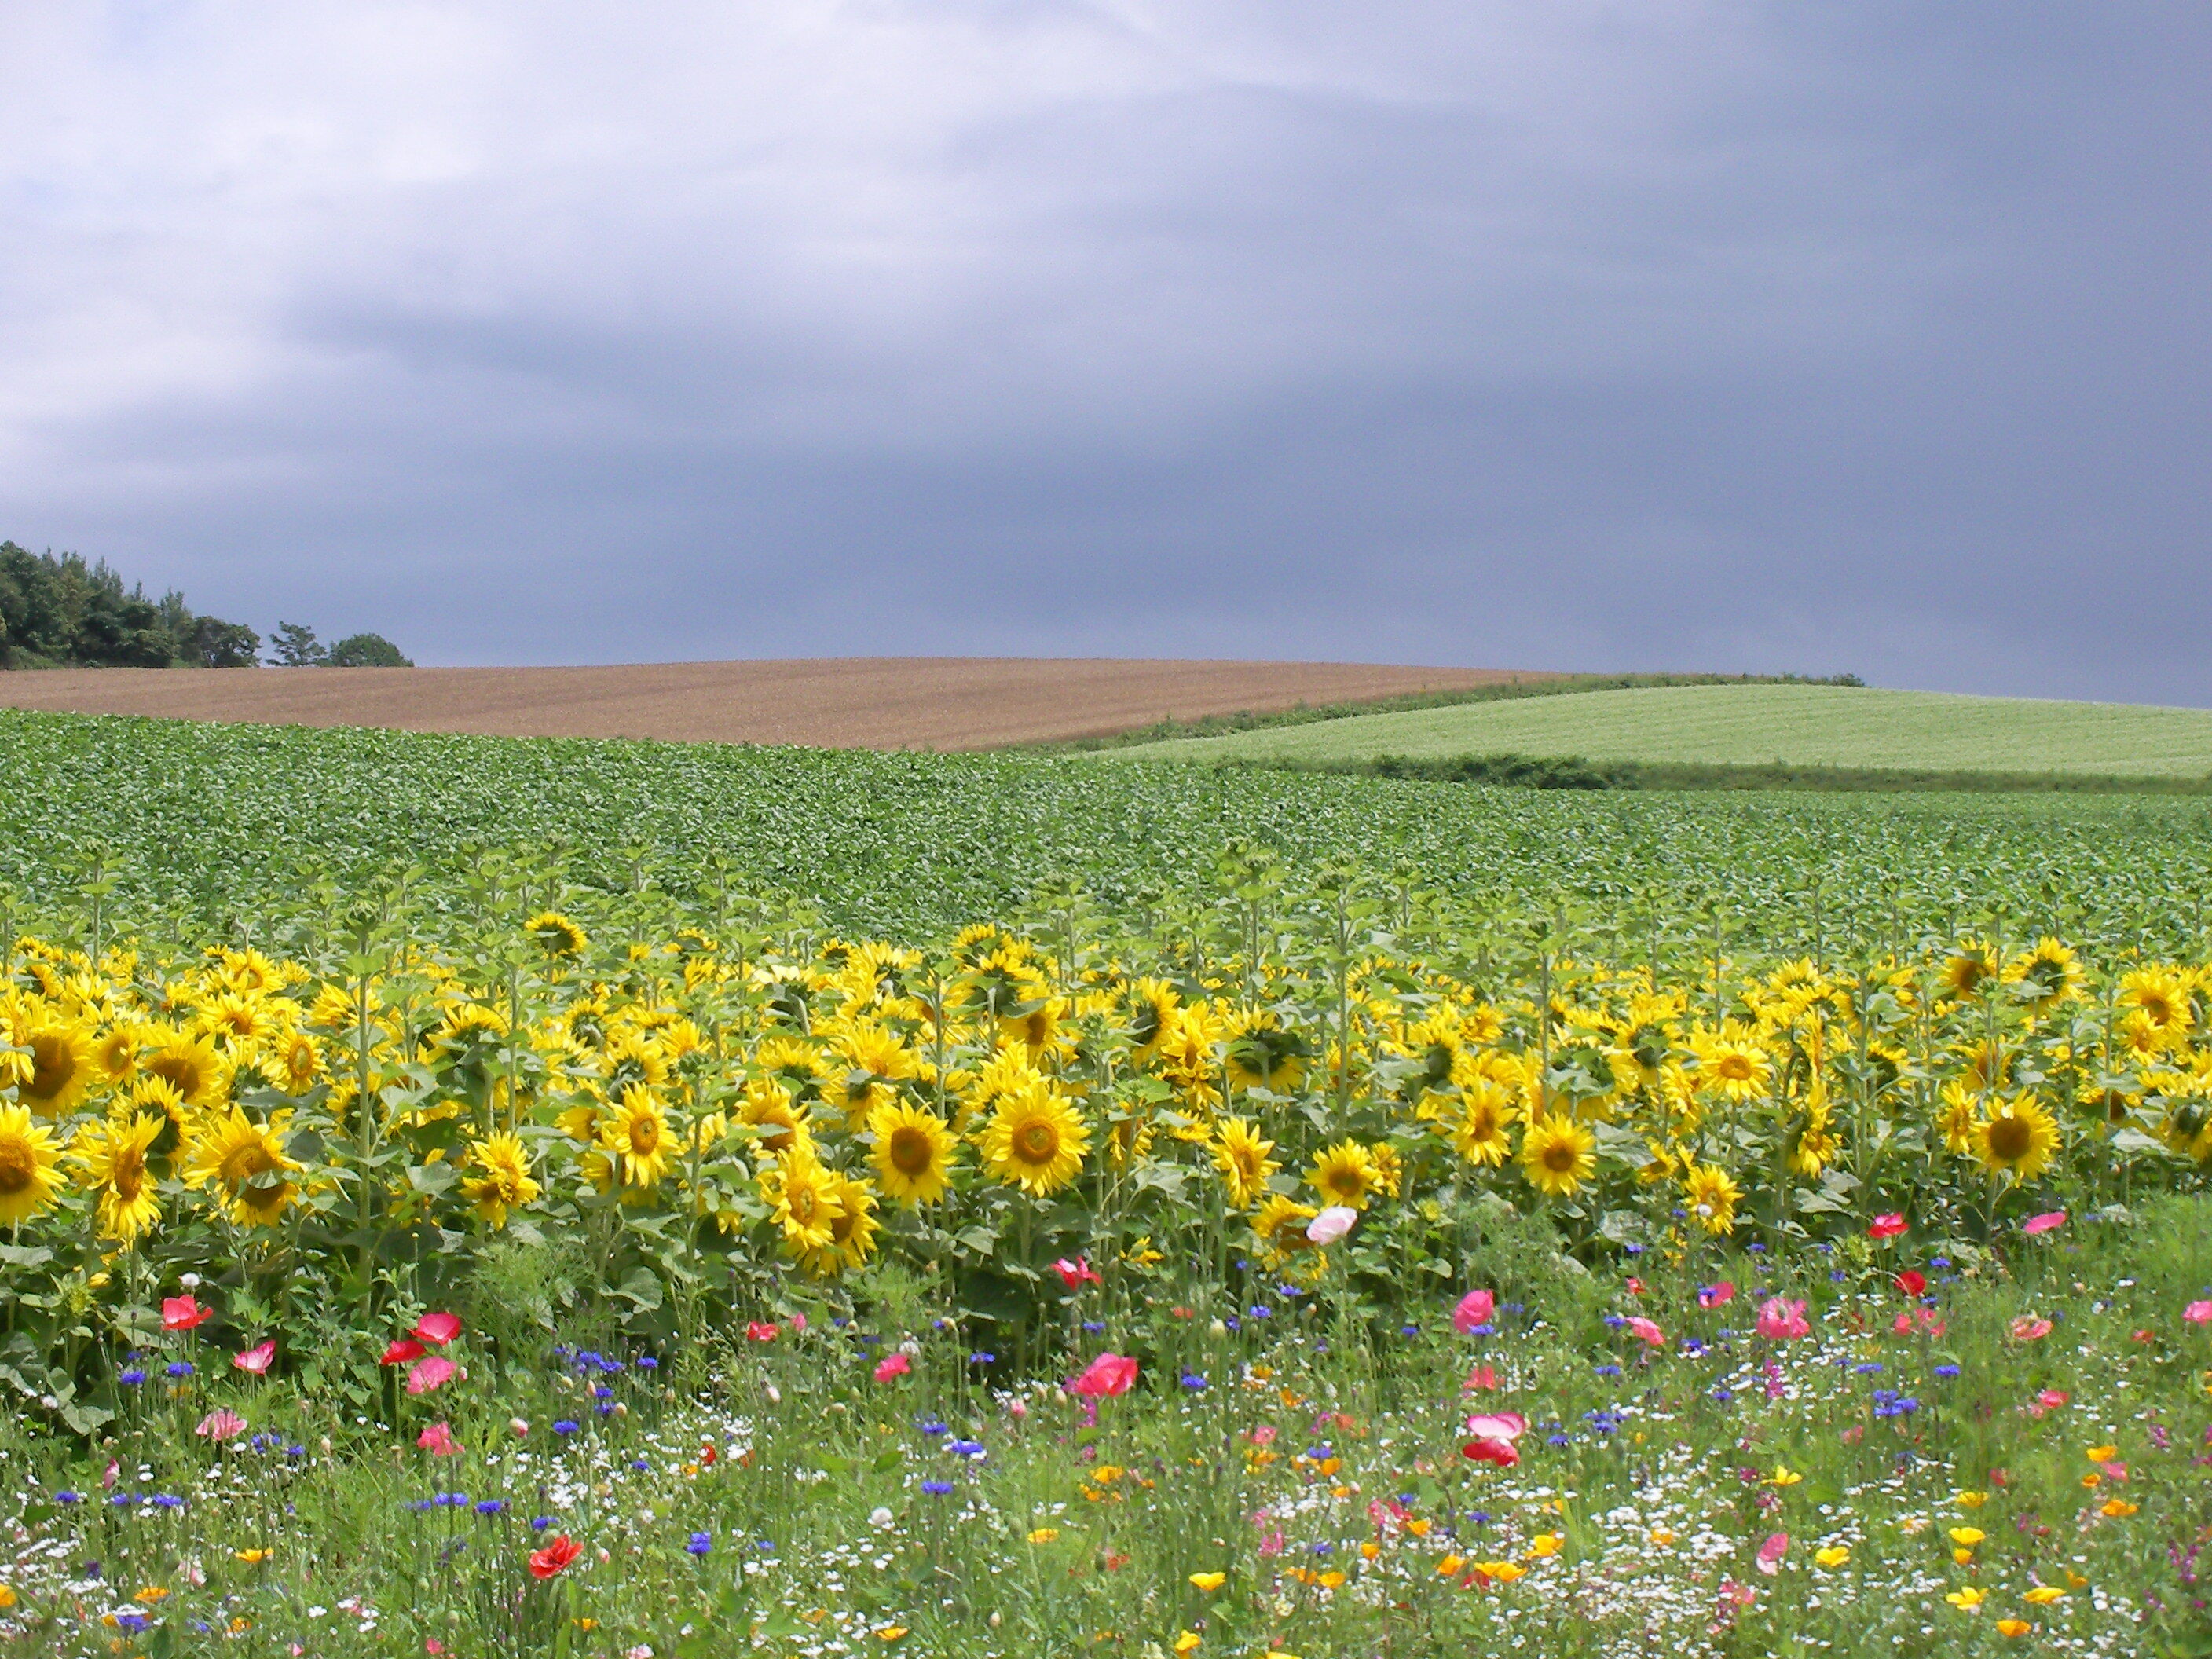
[
  {"x": 852, "y": 1229},
  {"x": 112, "y": 1156},
  {"x": 636, "y": 1135},
  {"x": 29, "y": 1157},
  {"x": 1558, "y": 1155},
  {"x": 1241, "y": 1155},
  {"x": 1345, "y": 1174},
  {"x": 62, "y": 1067},
  {"x": 1711, "y": 1195},
  {"x": 557, "y": 936},
  {"x": 1036, "y": 1140},
  {"x": 499, "y": 1179},
  {"x": 2016, "y": 1139},
  {"x": 913, "y": 1155},
  {"x": 245, "y": 1163},
  {"x": 805, "y": 1198}
]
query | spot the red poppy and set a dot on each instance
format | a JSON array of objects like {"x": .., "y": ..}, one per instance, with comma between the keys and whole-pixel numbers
[
  {"x": 1109, "y": 1374},
  {"x": 1485, "y": 1450},
  {"x": 181, "y": 1313},
  {"x": 1886, "y": 1226},
  {"x": 1076, "y": 1272},
  {"x": 1911, "y": 1282},
  {"x": 762, "y": 1331},
  {"x": 438, "y": 1328},
  {"x": 548, "y": 1562},
  {"x": 401, "y": 1352}
]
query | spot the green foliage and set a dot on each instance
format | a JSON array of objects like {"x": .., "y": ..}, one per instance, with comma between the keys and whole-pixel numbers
[
  {"x": 59, "y": 612},
  {"x": 294, "y": 646},
  {"x": 1782, "y": 727},
  {"x": 366, "y": 651}
]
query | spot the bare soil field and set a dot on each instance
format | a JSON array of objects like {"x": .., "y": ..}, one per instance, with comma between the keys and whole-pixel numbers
[{"x": 858, "y": 702}]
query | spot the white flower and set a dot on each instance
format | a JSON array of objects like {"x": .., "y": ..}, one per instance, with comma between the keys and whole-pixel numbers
[{"x": 880, "y": 1517}]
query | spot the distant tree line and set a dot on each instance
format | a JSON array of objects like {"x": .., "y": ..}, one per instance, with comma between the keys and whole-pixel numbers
[{"x": 58, "y": 612}]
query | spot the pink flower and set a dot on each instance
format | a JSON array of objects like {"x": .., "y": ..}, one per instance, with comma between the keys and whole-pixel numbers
[
  {"x": 894, "y": 1365},
  {"x": 1645, "y": 1331},
  {"x": 1262, "y": 1436},
  {"x": 256, "y": 1360},
  {"x": 1482, "y": 1377},
  {"x": 2050, "y": 1222},
  {"x": 438, "y": 1441},
  {"x": 1885, "y": 1226},
  {"x": 1272, "y": 1543},
  {"x": 1772, "y": 1552},
  {"x": 437, "y": 1328},
  {"x": 797, "y": 1321},
  {"x": 2198, "y": 1313},
  {"x": 2052, "y": 1398},
  {"x": 400, "y": 1352},
  {"x": 433, "y": 1372},
  {"x": 1331, "y": 1224},
  {"x": 1109, "y": 1374},
  {"x": 1781, "y": 1320},
  {"x": 1077, "y": 1273},
  {"x": 1741, "y": 1595},
  {"x": 762, "y": 1331},
  {"x": 1912, "y": 1282},
  {"x": 224, "y": 1425},
  {"x": 1498, "y": 1425},
  {"x": 2028, "y": 1329},
  {"x": 1474, "y": 1309},
  {"x": 1712, "y": 1296},
  {"x": 181, "y": 1313}
]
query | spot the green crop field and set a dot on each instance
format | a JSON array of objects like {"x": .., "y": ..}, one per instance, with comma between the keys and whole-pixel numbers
[
  {"x": 1754, "y": 726},
  {"x": 486, "y": 1197}
]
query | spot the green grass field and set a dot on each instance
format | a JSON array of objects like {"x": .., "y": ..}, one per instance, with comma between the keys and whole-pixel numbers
[{"x": 1751, "y": 726}]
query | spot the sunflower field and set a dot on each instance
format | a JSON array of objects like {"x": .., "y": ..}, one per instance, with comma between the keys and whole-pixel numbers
[{"x": 1302, "y": 1255}]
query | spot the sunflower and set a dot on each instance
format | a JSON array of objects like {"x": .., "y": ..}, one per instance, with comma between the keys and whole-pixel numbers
[
  {"x": 768, "y": 1109},
  {"x": 632, "y": 1061},
  {"x": 28, "y": 1155},
  {"x": 1558, "y": 1155},
  {"x": 112, "y": 1156},
  {"x": 1711, "y": 1196},
  {"x": 1730, "y": 1062},
  {"x": 246, "y": 1160},
  {"x": 116, "y": 1053},
  {"x": 1281, "y": 1225},
  {"x": 299, "y": 1063},
  {"x": 557, "y": 936},
  {"x": 1262, "y": 1054},
  {"x": 1480, "y": 1137},
  {"x": 1037, "y": 1027},
  {"x": 1241, "y": 1157},
  {"x": 875, "y": 1062},
  {"x": 189, "y": 1065},
  {"x": 1152, "y": 1018},
  {"x": 2017, "y": 1138},
  {"x": 501, "y": 1180},
  {"x": 852, "y": 1229},
  {"x": 2158, "y": 1010},
  {"x": 1970, "y": 961},
  {"x": 1036, "y": 1140},
  {"x": 240, "y": 1025},
  {"x": 805, "y": 1197},
  {"x": 636, "y": 1136},
  {"x": 61, "y": 1069},
  {"x": 798, "y": 1066},
  {"x": 914, "y": 1153},
  {"x": 1960, "y": 1117},
  {"x": 2049, "y": 973},
  {"x": 1817, "y": 1142}
]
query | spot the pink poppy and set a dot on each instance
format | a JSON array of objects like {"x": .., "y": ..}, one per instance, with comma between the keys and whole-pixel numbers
[
  {"x": 2028, "y": 1329},
  {"x": 1474, "y": 1309},
  {"x": 2050, "y": 1222},
  {"x": 1635, "y": 1286},
  {"x": 798, "y": 1322},
  {"x": 2052, "y": 1398},
  {"x": 181, "y": 1313},
  {"x": 401, "y": 1352},
  {"x": 1772, "y": 1552},
  {"x": 762, "y": 1330},
  {"x": 1644, "y": 1330},
  {"x": 437, "y": 1328},
  {"x": 1781, "y": 1320},
  {"x": 1077, "y": 1273},
  {"x": 438, "y": 1441},
  {"x": 1886, "y": 1226},
  {"x": 1109, "y": 1374},
  {"x": 224, "y": 1425},
  {"x": 893, "y": 1366},
  {"x": 1482, "y": 1377},
  {"x": 1741, "y": 1595},
  {"x": 1331, "y": 1224},
  {"x": 1498, "y": 1425},
  {"x": 1264, "y": 1435},
  {"x": 1713, "y": 1295},
  {"x": 433, "y": 1372},
  {"x": 2198, "y": 1313},
  {"x": 256, "y": 1360}
]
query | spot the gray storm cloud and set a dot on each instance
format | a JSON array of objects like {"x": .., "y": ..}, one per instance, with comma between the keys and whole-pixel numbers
[{"x": 1588, "y": 335}]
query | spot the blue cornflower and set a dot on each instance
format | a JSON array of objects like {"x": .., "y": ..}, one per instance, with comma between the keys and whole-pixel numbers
[
  {"x": 1837, "y": 1275},
  {"x": 603, "y": 1392},
  {"x": 1409, "y": 1330},
  {"x": 766, "y": 1545},
  {"x": 982, "y": 1357},
  {"x": 1946, "y": 1371},
  {"x": 1094, "y": 1325},
  {"x": 1477, "y": 1517},
  {"x": 1260, "y": 1310},
  {"x": 1756, "y": 1249},
  {"x": 564, "y": 1426},
  {"x": 605, "y": 1409},
  {"x": 1555, "y": 1439},
  {"x": 699, "y": 1543},
  {"x": 131, "y": 1621},
  {"x": 1633, "y": 1249},
  {"x": 492, "y": 1506},
  {"x": 937, "y": 1488},
  {"x": 131, "y": 1378},
  {"x": 539, "y": 1523},
  {"x": 1939, "y": 1262},
  {"x": 69, "y": 1498},
  {"x": 163, "y": 1500},
  {"x": 1609, "y": 1371},
  {"x": 180, "y": 1368},
  {"x": 1233, "y": 1323},
  {"x": 965, "y": 1447},
  {"x": 1615, "y": 1321},
  {"x": 646, "y": 1362},
  {"x": 934, "y": 1428},
  {"x": 1193, "y": 1381},
  {"x": 640, "y": 1465},
  {"x": 1722, "y": 1396},
  {"x": 1869, "y": 1368}
]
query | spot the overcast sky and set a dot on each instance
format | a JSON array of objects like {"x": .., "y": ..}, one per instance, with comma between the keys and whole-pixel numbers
[{"x": 1651, "y": 334}]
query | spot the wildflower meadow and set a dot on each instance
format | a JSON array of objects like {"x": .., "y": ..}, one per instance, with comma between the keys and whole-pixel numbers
[{"x": 1314, "y": 1257}]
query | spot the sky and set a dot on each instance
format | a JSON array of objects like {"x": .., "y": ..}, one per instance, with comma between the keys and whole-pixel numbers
[{"x": 1641, "y": 335}]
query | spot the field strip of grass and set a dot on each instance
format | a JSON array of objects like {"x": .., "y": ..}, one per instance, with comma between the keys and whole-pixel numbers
[{"x": 1797, "y": 725}]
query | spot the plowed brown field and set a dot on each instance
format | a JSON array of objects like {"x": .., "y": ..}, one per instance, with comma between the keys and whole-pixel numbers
[{"x": 859, "y": 702}]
